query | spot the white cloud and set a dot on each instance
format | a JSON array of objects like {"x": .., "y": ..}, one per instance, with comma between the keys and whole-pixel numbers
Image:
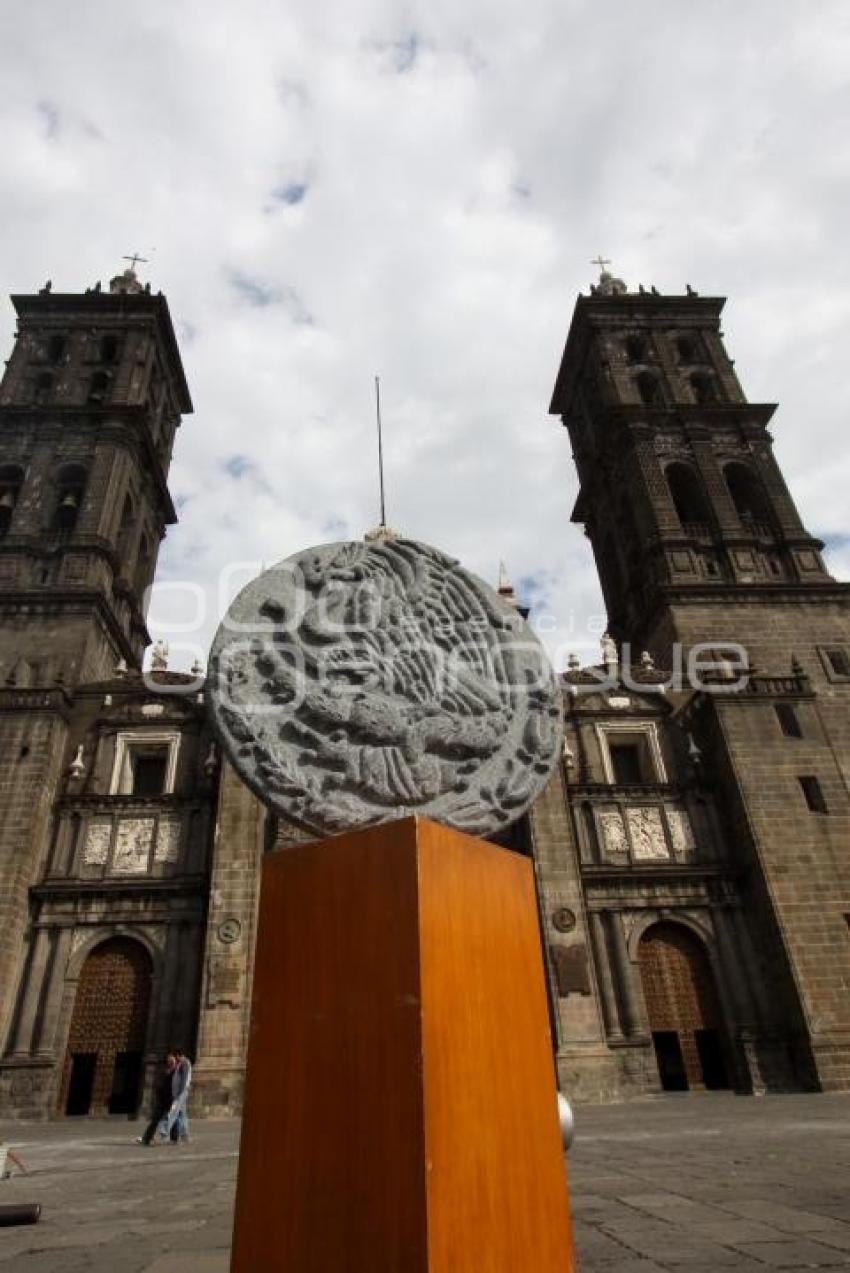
[{"x": 327, "y": 192}]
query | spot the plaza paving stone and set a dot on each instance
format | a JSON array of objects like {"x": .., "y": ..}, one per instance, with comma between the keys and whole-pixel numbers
[{"x": 677, "y": 1184}]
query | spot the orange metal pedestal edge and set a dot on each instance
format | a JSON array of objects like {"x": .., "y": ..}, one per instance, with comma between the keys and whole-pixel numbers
[{"x": 400, "y": 1111}]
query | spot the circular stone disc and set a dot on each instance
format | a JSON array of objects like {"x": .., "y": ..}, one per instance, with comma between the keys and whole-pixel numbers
[{"x": 356, "y": 683}]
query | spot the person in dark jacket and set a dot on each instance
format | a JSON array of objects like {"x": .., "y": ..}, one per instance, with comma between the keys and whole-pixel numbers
[
  {"x": 162, "y": 1098},
  {"x": 177, "y": 1117}
]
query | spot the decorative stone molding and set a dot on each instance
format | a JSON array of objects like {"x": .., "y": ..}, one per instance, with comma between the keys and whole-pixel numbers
[{"x": 81, "y": 935}]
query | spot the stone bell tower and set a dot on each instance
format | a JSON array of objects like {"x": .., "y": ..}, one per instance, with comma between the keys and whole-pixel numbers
[
  {"x": 681, "y": 495},
  {"x": 698, "y": 542},
  {"x": 89, "y": 404}
]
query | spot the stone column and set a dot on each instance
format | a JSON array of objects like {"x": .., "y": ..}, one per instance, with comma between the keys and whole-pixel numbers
[
  {"x": 25, "y": 1028},
  {"x": 607, "y": 995},
  {"x": 46, "y": 1041},
  {"x": 629, "y": 1013}
]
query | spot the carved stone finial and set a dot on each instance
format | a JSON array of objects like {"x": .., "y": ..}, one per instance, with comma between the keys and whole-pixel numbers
[
  {"x": 47, "y": 289},
  {"x": 568, "y": 756},
  {"x": 610, "y": 653},
  {"x": 573, "y": 662},
  {"x": 159, "y": 656},
  {"x": 647, "y": 662},
  {"x": 121, "y": 668},
  {"x": 608, "y": 285},
  {"x": 197, "y": 668},
  {"x": 126, "y": 283},
  {"x": 77, "y": 767}
]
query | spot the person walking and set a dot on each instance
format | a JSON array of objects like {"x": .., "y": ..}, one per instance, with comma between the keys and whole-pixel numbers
[
  {"x": 162, "y": 1098},
  {"x": 181, "y": 1081},
  {"x": 8, "y": 1155}
]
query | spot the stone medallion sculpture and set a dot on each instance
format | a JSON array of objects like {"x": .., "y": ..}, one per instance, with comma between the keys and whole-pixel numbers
[{"x": 356, "y": 683}]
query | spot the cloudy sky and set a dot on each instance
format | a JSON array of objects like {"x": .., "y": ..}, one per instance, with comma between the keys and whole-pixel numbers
[{"x": 330, "y": 190}]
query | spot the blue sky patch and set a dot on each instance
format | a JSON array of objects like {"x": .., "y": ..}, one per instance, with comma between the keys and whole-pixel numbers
[
  {"x": 254, "y": 291},
  {"x": 238, "y": 465},
  {"x": 406, "y": 52},
  {"x": 291, "y": 193}
]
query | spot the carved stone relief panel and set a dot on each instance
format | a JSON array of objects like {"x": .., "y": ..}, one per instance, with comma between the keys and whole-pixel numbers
[
  {"x": 612, "y": 832},
  {"x": 132, "y": 849},
  {"x": 168, "y": 838},
  {"x": 96, "y": 847},
  {"x": 647, "y": 834},
  {"x": 681, "y": 831}
]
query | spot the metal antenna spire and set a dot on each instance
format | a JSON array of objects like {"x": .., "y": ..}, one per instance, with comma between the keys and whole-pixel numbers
[{"x": 380, "y": 450}]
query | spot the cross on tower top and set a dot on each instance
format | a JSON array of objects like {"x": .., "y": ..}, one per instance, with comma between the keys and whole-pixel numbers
[
  {"x": 134, "y": 260},
  {"x": 601, "y": 261}
]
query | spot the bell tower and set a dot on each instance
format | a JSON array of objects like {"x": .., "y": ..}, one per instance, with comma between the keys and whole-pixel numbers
[
  {"x": 89, "y": 405},
  {"x": 699, "y": 543},
  {"x": 681, "y": 495}
]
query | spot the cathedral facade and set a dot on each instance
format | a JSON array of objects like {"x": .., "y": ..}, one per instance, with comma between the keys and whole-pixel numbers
[{"x": 692, "y": 851}]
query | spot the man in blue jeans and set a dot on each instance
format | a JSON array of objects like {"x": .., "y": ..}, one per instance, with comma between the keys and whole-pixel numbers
[{"x": 181, "y": 1080}]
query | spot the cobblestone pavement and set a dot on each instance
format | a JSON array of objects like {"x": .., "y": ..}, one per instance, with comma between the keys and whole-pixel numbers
[{"x": 689, "y": 1184}]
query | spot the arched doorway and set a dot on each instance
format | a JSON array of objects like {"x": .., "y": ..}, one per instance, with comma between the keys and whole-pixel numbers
[
  {"x": 103, "y": 1065},
  {"x": 684, "y": 1010}
]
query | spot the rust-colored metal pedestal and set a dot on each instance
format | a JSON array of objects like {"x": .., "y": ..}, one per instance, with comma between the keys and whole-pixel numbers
[{"x": 400, "y": 1109}]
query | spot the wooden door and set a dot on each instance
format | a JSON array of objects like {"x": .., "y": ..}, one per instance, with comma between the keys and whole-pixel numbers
[
  {"x": 106, "y": 1041},
  {"x": 683, "y": 1007}
]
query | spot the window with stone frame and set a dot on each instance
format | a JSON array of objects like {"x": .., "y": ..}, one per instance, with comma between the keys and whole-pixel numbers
[
  {"x": 631, "y": 754},
  {"x": 836, "y": 661},
  {"x": 145, "y": 763}
]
